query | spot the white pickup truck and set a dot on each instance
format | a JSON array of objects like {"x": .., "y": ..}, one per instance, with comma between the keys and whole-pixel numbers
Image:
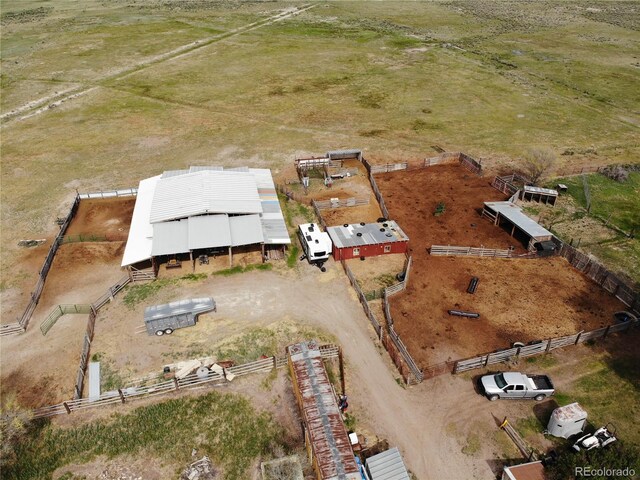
[{"x": 515, "y": 385}]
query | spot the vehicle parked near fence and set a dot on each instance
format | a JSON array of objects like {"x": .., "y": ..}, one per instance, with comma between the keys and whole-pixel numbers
[
  {"x": 516, "y": 386},
  {"x": 164, "y": 319}
]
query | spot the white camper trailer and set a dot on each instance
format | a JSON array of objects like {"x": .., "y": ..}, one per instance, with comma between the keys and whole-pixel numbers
[
  {"x": 315, "y": 243},
  {"x": 567, "y": 421}
]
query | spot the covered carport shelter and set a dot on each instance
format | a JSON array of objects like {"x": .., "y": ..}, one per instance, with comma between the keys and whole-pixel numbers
[{"x": 511, "y": 214}]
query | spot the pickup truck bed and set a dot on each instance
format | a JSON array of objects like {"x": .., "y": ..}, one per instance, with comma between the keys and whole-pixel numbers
[{"x": 541, "y": 382}]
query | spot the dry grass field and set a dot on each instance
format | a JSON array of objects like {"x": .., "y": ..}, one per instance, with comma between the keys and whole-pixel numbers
[{"x": 100, "y": 94}]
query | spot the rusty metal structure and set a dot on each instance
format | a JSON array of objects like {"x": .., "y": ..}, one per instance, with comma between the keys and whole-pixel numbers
[{"x": 325, "y": 434}]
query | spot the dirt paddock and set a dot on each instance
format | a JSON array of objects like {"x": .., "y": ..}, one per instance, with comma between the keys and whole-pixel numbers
[
  {"x": 412, "y": 198},
  {"x": 110, "y": 217},
  {"x": 517, "y": 299}
]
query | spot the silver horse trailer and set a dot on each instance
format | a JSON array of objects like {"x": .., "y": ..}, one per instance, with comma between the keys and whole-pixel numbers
[{"x": 164, "y": 319}]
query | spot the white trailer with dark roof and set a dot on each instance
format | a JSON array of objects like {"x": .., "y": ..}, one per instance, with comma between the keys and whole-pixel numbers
[
  {"x": 164, "y": 319},
  {"x": 316, "y": 244}
]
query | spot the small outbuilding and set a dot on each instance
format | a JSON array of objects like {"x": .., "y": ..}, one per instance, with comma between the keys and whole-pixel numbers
[
  {"x": 520, "y": 225},
  {"x": 547, "y": 196},
  {"x": 525, "y": 471},
  {"x": 367, "y": 239},
  {"x": 387, "y": 465}
]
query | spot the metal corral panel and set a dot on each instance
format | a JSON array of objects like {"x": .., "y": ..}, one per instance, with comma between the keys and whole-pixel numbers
[
  {"x": 94, "y": 380},
  {"x": 209, "y": 231},
  {"x": 194, "y": 306},
  {"x": 170, "y": 238},
  {"x": 387, "y": 465},
  {"x": 245, "y": 230},
  {"x": 203, "y": 192},
  {"x": 514, "y": 214},
  {"x": 328, "y": 438},
  {"x": 354, "y": 235}
]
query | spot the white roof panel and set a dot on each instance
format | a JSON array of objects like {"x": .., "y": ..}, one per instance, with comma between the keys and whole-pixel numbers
[
  {"x": 139, "y": 242},
  {"x": 514, "y": 214},
  {"x": 209, "y": 231},
  {"x": 543, "y": 191},
  {"x": 202, "y": 192},
  {"x": 170, "y": 238},
  {"x": 387, "y": 465},
  {"x": 245, "y": 230}
]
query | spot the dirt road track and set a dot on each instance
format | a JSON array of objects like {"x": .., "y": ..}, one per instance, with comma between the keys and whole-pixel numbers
[{"x": 38, "y": 106}]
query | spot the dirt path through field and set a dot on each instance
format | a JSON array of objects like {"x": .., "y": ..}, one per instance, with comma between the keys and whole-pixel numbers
[{"x": 38, "y": 106}]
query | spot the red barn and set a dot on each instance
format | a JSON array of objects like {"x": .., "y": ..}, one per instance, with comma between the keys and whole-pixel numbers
[{"x": 367, "y": 240}]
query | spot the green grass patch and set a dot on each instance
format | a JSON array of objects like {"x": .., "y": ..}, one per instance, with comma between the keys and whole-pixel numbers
[
  {"x": 226, "y": 427},
  {"x": 610, "y": 392},
  {"x": 529, "y": 426},
  {"x": 611, "y": 200},
  {"x": 350, "y": 422},
  {"x": 292, "y": 256},
  {"x": 240, "y": 269},
  {"x": 473, "y": 445},
  {"x": 139, "y": 293},
  {"x": 251, "y": 345},
  {"x": 542, "y": 361}
]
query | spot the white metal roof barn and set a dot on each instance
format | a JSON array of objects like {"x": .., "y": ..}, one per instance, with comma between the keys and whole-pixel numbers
[{"x": 182, "y": 211}]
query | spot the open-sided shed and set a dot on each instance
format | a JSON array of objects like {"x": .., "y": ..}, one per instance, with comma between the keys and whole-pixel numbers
[
  {"x": 511, "y": 214},
  {"x": 367, "y": 239},
  {"x": 547, "y": 196}
]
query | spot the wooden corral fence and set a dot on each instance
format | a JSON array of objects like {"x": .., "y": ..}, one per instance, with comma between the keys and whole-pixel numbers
[
  {"x": 509, "y": 184},
  {"x": 363, "y": 300},
  {"x": 543, "y": 346},
  {"x": 59, "y": 311},
  {"x": 316, "y": 210},
  {"x": 125, "y": 192},
  {"x": 88, "y": 336},
  {"x": 125, "y": 395},
  {"x": 444, "y": 158},
  {"x": 526, "y": 451},
  {"x": 450, "y": 250},
  {"x": 395, "y": 346},
  {"x": 21, "y": 325},
  {"x": 341, "y": 203},
  {"x": 571, "y": 171},
  {"x": 600, "y": 275},
  {"x": 290, "y": 194}
]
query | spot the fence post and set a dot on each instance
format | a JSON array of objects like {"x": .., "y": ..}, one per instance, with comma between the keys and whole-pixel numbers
[
  {"x": 606, "y": 332},
  {"x": 176, "y": 384},
  {"x": 578, "y": 337},
  {"x": 121, "y": 395},
  {"x": 66, "y": 407},
  {"x": 275, "y": 362},
  {"x": 548, "y": 349}
]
